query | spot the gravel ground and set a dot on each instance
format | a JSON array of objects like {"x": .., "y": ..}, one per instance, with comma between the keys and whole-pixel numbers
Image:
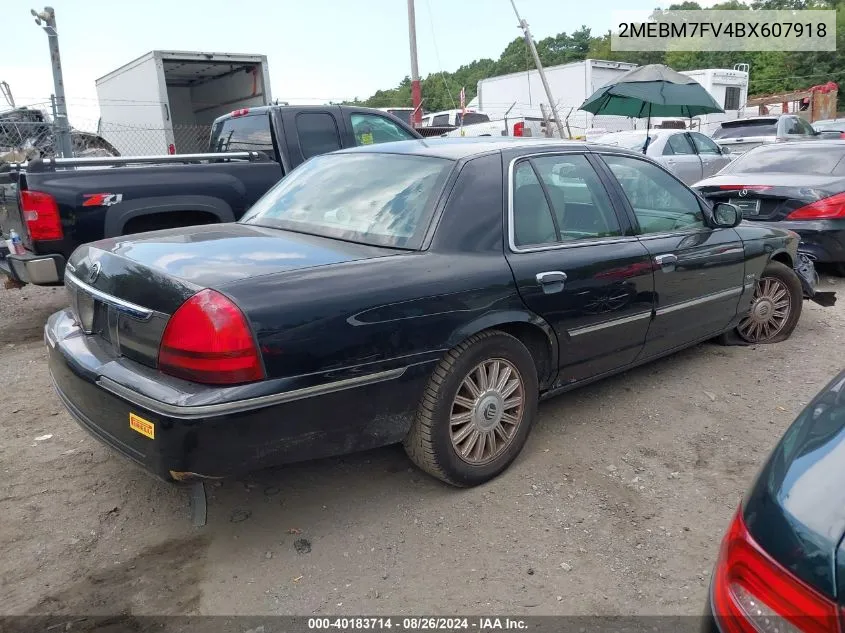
[{"x": 616, "y": 505}]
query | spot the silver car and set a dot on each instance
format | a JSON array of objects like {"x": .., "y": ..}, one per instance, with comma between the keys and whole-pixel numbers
[
  {"x": 742, "y": 135},
  {"x": 691, "y": 156}
]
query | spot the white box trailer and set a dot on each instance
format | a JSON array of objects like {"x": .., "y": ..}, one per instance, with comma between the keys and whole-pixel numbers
[
  {"x": 165, "y": 101},
  {"x": 728, "y": 87},
  {"x": 570, "y": 84}
]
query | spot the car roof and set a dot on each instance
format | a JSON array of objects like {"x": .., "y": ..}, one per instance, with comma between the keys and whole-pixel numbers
[
  {"x": 461, "y": 148},
  {"x": 814, "y": 143}
]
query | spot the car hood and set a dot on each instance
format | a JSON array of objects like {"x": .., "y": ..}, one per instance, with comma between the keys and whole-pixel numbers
[
  {"x": 162, "y": 267},
  {"x": 796, "y": 508}
]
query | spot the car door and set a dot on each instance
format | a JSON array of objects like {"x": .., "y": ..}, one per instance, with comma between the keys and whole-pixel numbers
[
  {"x": 699, "y": 272},
  {"x": 576, "y": 263},
  {"x": 712, "y": 158},
  {"x": 681, "y": 159}
]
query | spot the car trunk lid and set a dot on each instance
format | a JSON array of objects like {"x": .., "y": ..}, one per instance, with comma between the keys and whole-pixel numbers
[
  {"x": 764, "y": 197},
  {"x": 124, "y": 290}
]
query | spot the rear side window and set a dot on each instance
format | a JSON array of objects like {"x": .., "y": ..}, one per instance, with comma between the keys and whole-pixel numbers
[
  {"x": 471, "y": 117},
  {"x": 678, "y": 144},
  {"x": 243, "y": 134},
  {"x": 317, "y": 133},
  {"x": 580, "y": 207},
  {"x": 761, "y": 127},
  {"x": 439, "y": 120}
]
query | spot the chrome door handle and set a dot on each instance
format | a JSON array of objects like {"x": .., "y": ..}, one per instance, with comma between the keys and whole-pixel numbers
[
  {"x": 666, "y": 261},
  {"x": 551, "y": 281},
  {"x": 551, "y": 277}
]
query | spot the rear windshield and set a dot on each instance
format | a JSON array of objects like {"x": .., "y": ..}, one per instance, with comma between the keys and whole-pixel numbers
[
  {"x": 784, "y": 159},
  {"x": 378, "y": 199},
  {"x": 762, "y": 127},
  {"x": 471, "y": 117},
  {"x": 829, "y": 125},
  {"x": 243, "y": 134}
]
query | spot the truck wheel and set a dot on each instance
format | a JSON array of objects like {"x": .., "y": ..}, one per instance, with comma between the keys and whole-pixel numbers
[
  {"x": 775, "y": 307},
  {"x": 477, "y": 410}
]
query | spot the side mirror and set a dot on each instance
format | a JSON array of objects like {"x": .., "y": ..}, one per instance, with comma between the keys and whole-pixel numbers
[
  {"x": 726, "y": 215},
  {"x": 725, "y": 150}
]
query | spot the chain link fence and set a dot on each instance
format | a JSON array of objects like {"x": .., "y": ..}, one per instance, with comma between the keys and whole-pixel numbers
[{"x": 27, "y": 133}]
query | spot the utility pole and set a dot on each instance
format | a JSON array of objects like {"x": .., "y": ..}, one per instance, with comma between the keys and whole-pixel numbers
[
  {"x": 530, "y": 41},
  {"x": 416, "y": 93},
  {"x": 47, "y": 20}
]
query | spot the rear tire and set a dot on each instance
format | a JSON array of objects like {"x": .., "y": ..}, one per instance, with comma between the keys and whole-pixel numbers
[
  {"x": 775, "y": 308},
  {"x": 477, "y": 410}
]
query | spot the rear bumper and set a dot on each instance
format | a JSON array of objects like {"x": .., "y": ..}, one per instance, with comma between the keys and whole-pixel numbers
[
  {"x": 223, "y": 436},
  {"x": 39, "y": 270},
  {"x": 823, "y": 240}
]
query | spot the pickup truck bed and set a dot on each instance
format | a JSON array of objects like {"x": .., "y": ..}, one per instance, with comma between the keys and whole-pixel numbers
[{"x": 56, "y": 205}]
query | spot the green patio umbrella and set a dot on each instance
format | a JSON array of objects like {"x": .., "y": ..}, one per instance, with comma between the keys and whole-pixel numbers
[{"x": 652, "y": 90}]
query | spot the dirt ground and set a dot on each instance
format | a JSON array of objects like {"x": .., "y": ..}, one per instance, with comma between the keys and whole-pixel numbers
[{"x": 616, "y": 505}]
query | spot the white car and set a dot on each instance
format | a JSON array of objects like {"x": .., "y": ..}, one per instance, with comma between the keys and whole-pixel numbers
[{"x": 690, "y": 155}]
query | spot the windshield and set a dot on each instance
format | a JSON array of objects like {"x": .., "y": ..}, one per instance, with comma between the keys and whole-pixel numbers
[
  {"x": 369, "y": 198},
  {"x": 782, "y": 159},
  {"x": 761, "y": 127},
  {"x": 628, "y": 141}
]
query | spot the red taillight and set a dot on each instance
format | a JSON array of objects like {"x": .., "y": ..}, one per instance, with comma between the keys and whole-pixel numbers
[
  {"x": 519, "y": 128},
  {"x": 171, "y": 149},
  {"x": 208, "y": 340},
  {"x": 752, "y": 593},
  {"x": 824, "y": 209},
  {"x": 842, "y": 135},
  {"x": 746, "y": 187},
  {"x": 241, "y": 112},
  {"x": 41, "y": 214}
]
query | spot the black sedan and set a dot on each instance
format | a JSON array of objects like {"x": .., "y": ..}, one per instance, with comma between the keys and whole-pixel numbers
[
  {"x": 425, "y": 292},
  {"x": 782, "y": 561},
  {"x": 799, "y": 186}
]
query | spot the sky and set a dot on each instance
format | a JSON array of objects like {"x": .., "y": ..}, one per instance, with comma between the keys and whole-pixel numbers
[{"x": 318, "y": 50}]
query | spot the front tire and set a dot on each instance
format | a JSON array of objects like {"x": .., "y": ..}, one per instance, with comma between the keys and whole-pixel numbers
[
  {"x": 775, "y": 307},
  {"x": 477, "y": 410}
]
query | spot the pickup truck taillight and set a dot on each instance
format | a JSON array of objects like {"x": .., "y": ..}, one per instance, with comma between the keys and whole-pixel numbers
[
  {"x": 208, "y": 340},
  {"x": 41, "y": 215},
  {"x": 518, "y": 129}
]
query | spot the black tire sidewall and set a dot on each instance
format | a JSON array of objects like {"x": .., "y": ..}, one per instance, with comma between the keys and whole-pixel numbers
[{"x": 496, "y": 346}]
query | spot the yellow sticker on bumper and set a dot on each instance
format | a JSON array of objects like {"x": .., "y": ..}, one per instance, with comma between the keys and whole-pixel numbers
[{"x": 144, "y": 427}]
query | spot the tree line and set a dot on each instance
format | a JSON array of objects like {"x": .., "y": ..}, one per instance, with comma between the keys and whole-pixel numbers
[{"x": 770, "y": 71}]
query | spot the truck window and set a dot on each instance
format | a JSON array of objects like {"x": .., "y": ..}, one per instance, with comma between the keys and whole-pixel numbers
[
  {"x": 440, "y": 120},
  {"x": 243, "y": 134},
  {"x": 371, "y": 128},
  {"x": 317, "y": 133},
  {"x": 471, "y": 117},
  {"x": 403, "y": 114}
]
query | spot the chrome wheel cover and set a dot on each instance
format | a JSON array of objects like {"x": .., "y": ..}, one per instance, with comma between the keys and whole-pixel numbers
[
  {"x": 487, "y": 411},
  {"x": 771, "y": 307}
]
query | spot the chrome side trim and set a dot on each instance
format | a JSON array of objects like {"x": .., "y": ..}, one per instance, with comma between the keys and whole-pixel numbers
[
  {"x": 239, "y": 406},
  {"x": 724, "y": 294},
  {"x": 612, "y": 323},
  {"x": 132, "y": 309}
]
